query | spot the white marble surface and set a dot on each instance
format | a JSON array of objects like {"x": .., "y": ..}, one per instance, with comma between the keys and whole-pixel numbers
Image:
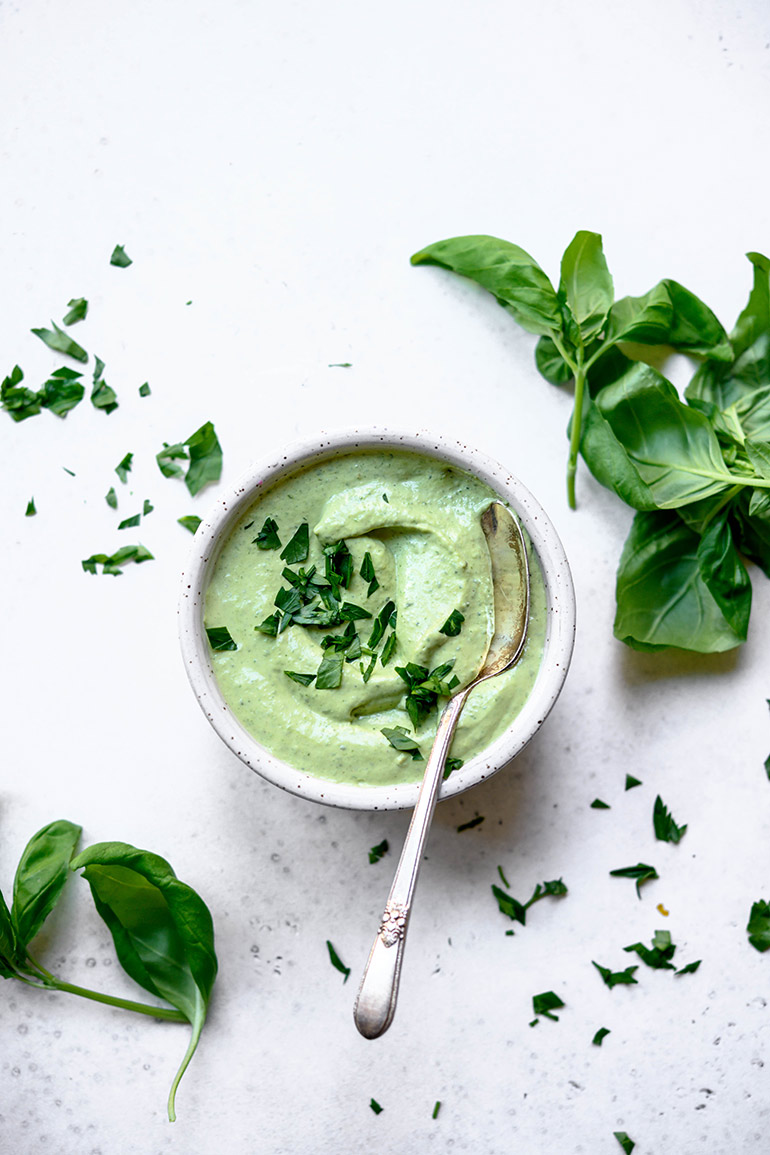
[{"x": 275, "y": 166}]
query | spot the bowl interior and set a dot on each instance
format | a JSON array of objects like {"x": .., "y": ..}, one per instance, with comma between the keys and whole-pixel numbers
[{"x": 214, "y": 531}]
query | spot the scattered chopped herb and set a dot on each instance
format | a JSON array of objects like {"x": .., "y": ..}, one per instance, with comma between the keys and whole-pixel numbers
[
  {"x": 389, "y": 649},
  {"x": 376, "y": 853},
  {"x": 600, "y": 1036},
  {"x": 367, "y": 573},
  {"x": 167, "y": 458},
  {"x": 270, "y": 625},
  {"x": 329, "y": 676},
  {"x": 19, "y": 401},
  {"x": 517, "y": 911},
  {"x": 436, "y": 1109},
  {"x": 31, "y": 509},
  {"x": 366, "y": 673},
  {"x": 641, "y": 872},
  {"x": 401, "y": 740},
  {"x": 338, "y": 566},
  {"x": 451, "y": 765},
  {"x": 626, "y": 1143},
  {"x": 298, "y": 546},
  {"x": 503, "y": 879},
  {"x": 666, "y": 830},
  {"x": 617, "y": 978},
  {"x": 631, "y": 782},
  {"x": 477, "y": 821},
  {"x": 341, "y": 365},
  {"x": 424, "y": 688},
  {"x": 381, "y": 623},
  {"x": 120, "y": 257},
  {"x": 758, "y": 926},
  {"x": 130, "y": 522},
  {"x": 147, "y": 507},
  {"x": 113, "y": 563},
  {"x": 205, "y": 458},
  {"x": 123, "y": 468},
  {"x": 190, "y": 521},
  {"x": 453, "y": 624},
  {"x": 597, "y": 804},
  {"x": 268, "y": 538},
  {"x": 353, "y": 613},
  {"x": 303, "y": 679},
  {"x": 145, "y": 390},
  {"x": 78, "y": 307},
  {"x": 62, "y": 391},
  {"x": 219, "y": 638},
  {"x": 69, "y": 471},
  {"x": 103, "y": 396},
  {"x": 375, "y": 1106},
  {"x": 61, "y": 342},
  {"x": 546, "y": 1004},
  {"x": 690, "y": 968},
  {"x": 338, "y": 964},
  {"x": 385, "y": 498},
  {"x": 659, "y": 955}
]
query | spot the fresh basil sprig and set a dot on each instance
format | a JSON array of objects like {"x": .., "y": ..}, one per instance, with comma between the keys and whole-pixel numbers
[{"x": 162, "y": 930}]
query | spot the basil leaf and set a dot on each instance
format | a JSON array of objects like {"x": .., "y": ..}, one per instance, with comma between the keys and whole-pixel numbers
[
  {"x": 546, "y": 1004},
  {"x": 123, "y": 468},
  {"x": 400, "y": 740},
  {"x": 453, "y": 624},
  {"x": 303, "y": 679},
  {"x": 61, "y": 342},
  {"x": 338, "y": 563},
  {"x": 381, "y": 624},
  {"x": 103, "y": 396},
  {"x": 608, "y": 460},
  {"x": 662, "y": 599},
  {"x": 297, "y": 547},
  {"x": 219, "y": 638},
  {"x": 367, "y": 573},
  {"x": 669, "y": 314},
  {"x": 725, "y": 574},
  {"x": 600, "y": 1036},
  {"x": 586, "y": 284},
  {"x": 659, "y": 955},
  {"x": 666, "y": 830},
  {"x": 11, "y": 954},
  {"x": 451, "y": 765},
  {"x": 78, "y": 307},
  {"x": 508, "y": 272},
  {"x": 19, "y": 401},
  {"x": 162, "y": 930},
  {"x": 641, "y": 872},
  {"x": 377, "y": 852},
  {"x": 268, "y": 538},
  {"x": 352, "y": 613},
  {"x": 130, "y": 522},
  {"x": 120, "y": 258},
  {"x": 389, "y": 649},
  {"x": 31, "y": 509},
  {"x": 40, "y": 876},
  {"x": 167, "y": 458},
  {"x": 205, "y": 458},
  {"x": 339, "y": 965},
  {"x": 329, "y": 675},
  {"x": 269, "y": 626},
  {"x": 758, "y": 926},
  {"x": 616, "y": 978},
  {"x": 62, "y": 391},
  {"x": 190, "y": 521},
  {"x": 551, "y": 364}
]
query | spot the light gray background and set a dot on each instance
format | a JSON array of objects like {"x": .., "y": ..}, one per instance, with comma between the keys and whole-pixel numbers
[{"x": 275, "y": 166}]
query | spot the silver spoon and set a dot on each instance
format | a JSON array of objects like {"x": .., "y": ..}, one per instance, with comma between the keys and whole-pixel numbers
[{"x": 376, "y": 1002}]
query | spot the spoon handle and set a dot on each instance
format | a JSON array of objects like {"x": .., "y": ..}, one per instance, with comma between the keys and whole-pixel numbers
[{"x": 376, "y": 1002}]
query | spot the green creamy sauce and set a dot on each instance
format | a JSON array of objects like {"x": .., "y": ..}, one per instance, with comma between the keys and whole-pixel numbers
[{"x": 419, "y": 519}]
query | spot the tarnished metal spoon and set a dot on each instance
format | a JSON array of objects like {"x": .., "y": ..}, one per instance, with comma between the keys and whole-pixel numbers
[{"x": 376, "y": 1002}]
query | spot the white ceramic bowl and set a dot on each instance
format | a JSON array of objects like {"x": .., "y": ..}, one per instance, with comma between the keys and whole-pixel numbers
[{"x": 216, "y": 527}]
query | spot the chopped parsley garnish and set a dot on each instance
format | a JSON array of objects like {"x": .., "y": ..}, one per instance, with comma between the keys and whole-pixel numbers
[
  {"x": 424, "y": 688},
  {"x": 375, "y": 1106},
  {"x": 297, "y": 547},
  {"x": 659, "y": 955},
  {"x": 641, "y": 872},
  {"x": 452, "y": 764},
  {"x": 120, "y": 258},
  {"x": 113, "y": 563},
  {"x": 338, "y": 964},
  {"x": 401, "y": 740},
  {"x": 436, "y": 1109},
  {"x": 517, "y": 911},
  {"x": 219, "y": 638},
  {"x": 147, "y": 507},
  {"x": 103, "y": 396},
  {"x": 600, "y": 1036},
  {"x": 123, "y": 468},
  {"x": 205, "y": 458},
  {"x": 666, "y": 830},
  {"x": 758, "y": 926},
  {"x": 631, "y": 782},
  {"x": 453, "y": 624},
  {"x": 376, "y": 853},
  {"x": 145, "y": 390},
  {"x": 367, "y": 573},
  {"x": 329, "y": 676},
  {"x": 389, "y": 649},
  {"x": 303, "y": 679},
  {"x": 130, "y": 522},
  {"x": 617, "y": 978},
  {"x": 190, "y": 521},
  {"x": 270, "y": 625},
  {"x": 167, "y": 458},
  {"x": 381, "y": 623},
  {"x": 338, "y": 566},
  {"x": 268, "y": 538},
  {"x": 31, "y": 509},
  {"x": 78, "y": 307},
  {"x": 626, "y": 1143},
  {"x": 353, "y": 613},
  {"x": 689, "y": 969},
  {"x": 19, "y": 401},
  {"x": 546, "y": 1004},
  {"x": 61, "y": 342},
  {"x": 62, "y": 391},
  {"x": 597, "y": 804},
  {"x": 473, "y": 822}
]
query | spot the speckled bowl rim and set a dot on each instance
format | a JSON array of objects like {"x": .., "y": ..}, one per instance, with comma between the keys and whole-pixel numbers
[{"x": 214, "y": 530}]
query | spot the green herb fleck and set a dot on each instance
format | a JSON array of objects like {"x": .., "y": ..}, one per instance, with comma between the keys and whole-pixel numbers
[
  {"x": 546, "y": 1003},
  {"x": 436, "y": 1109},
  {"x": 297, "y": 547},
  {"x": 641, "y": 872},
  {"x": 503, "y": 879},
  {"x": 61, "y": 342},
  {"x": 689, "y": 969},
  {"x": 113, "y": 563},
  {"x": 666, "y": 830},
  {"x": 600, "y": 1036},
  {"x": 62, "y": 391},
  {"x": 303, "y": 679},
  {"x": 389, "y": 649},
  {"x": 424, "y": 688},
  {"x": 167, "y": 458},
  {"x": 147, "y": 507},
  {"x": 205, "y": 458},
  {"x": 626, "y": 1143},
  {"x": 123, "y": 468},
  {"x": 477, "y": 821},
  {"x": 401, "y": 740},
  {"x": 659, "y": 955},
  {"x": 631, "y": 782},
  {"x": 376, "y": 853},
  {"x": 219, "y": 638},
  {"x": 16, "y": 399},
  {"x": 451, "y": 765},
  {"x": 78, "y": 307},
  {"x": 31, "y": 509},
  {"x": 375, "y": 1106},
  {"x": 120, "y": 258},
  {"x": 597, "y": 804},
  {"x": 329, "y": 676},
  {"x": 268, "y": 538},
  {"x": 270, "y": 625},
  {"x": 517, "y": 911},
  {"x": 145, "y": 390},
  {"x": 103, "y": 396},
  {"x": 130, "y": 522},
  {"x": 111, "y": 497},
  {"x": 337, "y": 962},
  {"x": 381, "y": 623},
  {"x": 758, "y": 926},
  {"x": 190, "y": 521},
  {"x": 617, "y": 978},
  {"x": 453, "y": 624},
  {"x": 367, "y": 573}
]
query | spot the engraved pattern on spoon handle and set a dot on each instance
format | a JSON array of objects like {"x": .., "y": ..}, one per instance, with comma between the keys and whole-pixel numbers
[{"x": 376, "y": 1002}]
